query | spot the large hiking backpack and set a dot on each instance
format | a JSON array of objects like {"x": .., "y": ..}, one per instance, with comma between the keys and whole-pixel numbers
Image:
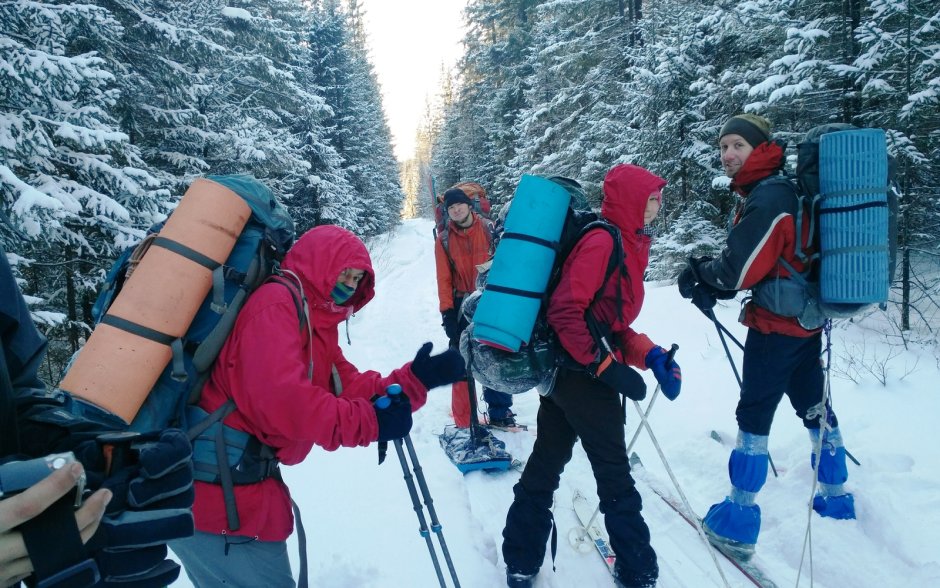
[
  {"x": 254, "y": 258},
  {"x": 845, "y": 189},
  {"x": 257, "y": 251},
  {"x": 534, "y": 364}
]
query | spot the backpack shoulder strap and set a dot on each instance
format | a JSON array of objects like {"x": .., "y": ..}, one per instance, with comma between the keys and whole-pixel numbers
[{"x": 295, "y": 287}]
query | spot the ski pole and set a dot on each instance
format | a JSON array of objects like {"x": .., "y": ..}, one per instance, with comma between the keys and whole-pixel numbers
[
  {"x": 423, "y": 529},
  {"x": 685, "y": 502},
  {"x": 721, "y": 335},
  {"x": 662, "y": 456},
  {"x": 636, "y": 435},
  {"x": 429, "y": 502}
]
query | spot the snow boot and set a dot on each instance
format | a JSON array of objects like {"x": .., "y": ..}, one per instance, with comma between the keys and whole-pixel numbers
[
  {"x": 626, "y": 579},
  {"x": 831, "y": 500},
  {"x": 529, "y": 525},
  {"x": 630, "y": 539},
  {"x": 734, "y": 524},
  {"x": 516, "y": 580}
]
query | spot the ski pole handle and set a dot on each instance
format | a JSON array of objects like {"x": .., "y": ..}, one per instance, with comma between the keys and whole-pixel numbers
[
  {"x": 671, "y": 354},
  {"x": 382, "y": 402}
]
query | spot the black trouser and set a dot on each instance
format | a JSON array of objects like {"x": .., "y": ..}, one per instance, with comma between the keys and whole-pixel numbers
[
  {"x": 579, "y": 407},
  {"x": 775, "y": 365}
]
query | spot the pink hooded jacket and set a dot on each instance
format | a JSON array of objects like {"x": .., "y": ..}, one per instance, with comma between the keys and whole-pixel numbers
[
  {"x": 263, "y": 367},
  {"x": 627, "y": 189}
]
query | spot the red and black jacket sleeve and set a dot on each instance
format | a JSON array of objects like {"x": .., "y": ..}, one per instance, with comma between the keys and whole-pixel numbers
[{"x": 764, "y": 231}]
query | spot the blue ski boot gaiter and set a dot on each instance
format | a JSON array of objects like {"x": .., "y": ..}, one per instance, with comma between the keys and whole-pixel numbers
[
  {"x": 831, "y": 499},
  {"x": 735, "y": 522}
]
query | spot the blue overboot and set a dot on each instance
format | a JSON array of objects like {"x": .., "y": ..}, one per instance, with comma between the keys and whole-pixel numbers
[
  {"x": 733, "y": 524},
  {"x": 831, "y": 499}
]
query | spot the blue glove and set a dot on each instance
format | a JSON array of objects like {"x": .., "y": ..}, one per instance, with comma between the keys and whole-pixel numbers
[
  {"x": 438, "y": 370},
  {"x": 619, "y": 377},
  {"x": 667, "y": 371},
  {"x": 394, "y": 416},
  {"x": 152, "y": 504}
]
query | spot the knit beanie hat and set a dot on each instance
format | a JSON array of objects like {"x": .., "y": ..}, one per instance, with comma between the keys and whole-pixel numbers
[
  {"x": 456, "y": 196},
  {"x": 754, "y": 129}
]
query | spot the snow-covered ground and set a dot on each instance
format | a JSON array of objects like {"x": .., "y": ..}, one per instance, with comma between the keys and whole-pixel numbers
[{"x": 362, "y": 530}]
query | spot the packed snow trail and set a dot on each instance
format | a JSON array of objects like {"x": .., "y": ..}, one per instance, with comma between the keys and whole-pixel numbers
[{"x": 362, "y": 530}]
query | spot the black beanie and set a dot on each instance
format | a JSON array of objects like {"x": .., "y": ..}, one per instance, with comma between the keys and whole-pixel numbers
[
  {"x": 456, "y": 196},
  {"x": 754, "y": 129}
]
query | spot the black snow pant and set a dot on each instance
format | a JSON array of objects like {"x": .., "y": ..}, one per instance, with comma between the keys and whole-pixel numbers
[
  {"x": 579, "y": 407},
  {"x": 775, "y": 365}
]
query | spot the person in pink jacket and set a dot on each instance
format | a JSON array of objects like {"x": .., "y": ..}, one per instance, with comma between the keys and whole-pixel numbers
[{"x": 264, "y": 367}]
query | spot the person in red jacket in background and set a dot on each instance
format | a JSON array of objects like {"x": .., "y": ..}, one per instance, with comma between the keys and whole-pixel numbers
[
  {"x": 592, "y": 319},
  {"x": 464, "y": 244},
  {"x": 781, "y": 356},
  {"x": 264, "y": 368}
]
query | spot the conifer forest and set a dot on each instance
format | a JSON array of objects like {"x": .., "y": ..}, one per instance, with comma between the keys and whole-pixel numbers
[{"x": 110, "y": 108}]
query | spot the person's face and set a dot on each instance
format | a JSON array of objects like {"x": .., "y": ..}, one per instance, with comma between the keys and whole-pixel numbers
[
  {"x": 458, "y": 212},
  {"x": 350, "y": 277},
  {"x": 652, "y": 207},
  {"x": 734, "y": 152}
]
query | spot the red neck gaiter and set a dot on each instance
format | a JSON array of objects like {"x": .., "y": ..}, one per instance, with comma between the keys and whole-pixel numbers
[{"x": 764, "y": 161}]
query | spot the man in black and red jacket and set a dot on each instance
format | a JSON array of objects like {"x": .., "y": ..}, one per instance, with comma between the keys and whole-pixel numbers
[{"x": 780, "y": 355}]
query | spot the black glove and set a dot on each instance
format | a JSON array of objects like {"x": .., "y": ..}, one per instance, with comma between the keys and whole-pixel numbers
[
  {"x": 702, "y": 294},
  {"x": 451, "y": 324},
  {"x": 619, "y": 377},
  {"x": 152, "y": 504},
  {"x": 438, "y": 370},
  {"x": 395, "y": 418}
]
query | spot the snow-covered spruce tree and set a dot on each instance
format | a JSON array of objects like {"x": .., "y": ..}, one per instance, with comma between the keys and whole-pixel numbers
[
  {"x": 898, "y": 74},
  {"x": 812, "y": 81},
  {"x": 371, "y": 163},
  {"x": 71, "y": 182},
  {"x": 574, "y": 88},
  {"x": 690, "y": 234},
  {"x": 477, "y": 141},
  {"x": 161, "y": 60}
]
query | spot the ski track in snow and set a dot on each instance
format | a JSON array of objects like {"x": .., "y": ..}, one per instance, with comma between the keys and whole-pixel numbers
[{"x": 362, "y": 530}]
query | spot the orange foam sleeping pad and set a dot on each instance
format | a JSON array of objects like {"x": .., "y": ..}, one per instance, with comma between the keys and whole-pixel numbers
[{"x": 116, "y": 369}]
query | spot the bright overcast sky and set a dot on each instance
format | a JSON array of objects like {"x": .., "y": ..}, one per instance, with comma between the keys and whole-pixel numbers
[{"x": 410, "y": 39}]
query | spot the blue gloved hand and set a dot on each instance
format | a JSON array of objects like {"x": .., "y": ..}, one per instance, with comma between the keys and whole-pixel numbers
[
  {"x": 152, "y": 484},
  {"x": 666, "y": 370},
  {"x": 619, "y": 377},
  {"x": 394, "y": 416},
  {"x": 438, "y": 370}
]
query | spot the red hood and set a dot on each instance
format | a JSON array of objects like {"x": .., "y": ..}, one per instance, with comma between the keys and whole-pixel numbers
[
  {"x": 627, "y": 188},
  {"x": 320, "y": 255}
]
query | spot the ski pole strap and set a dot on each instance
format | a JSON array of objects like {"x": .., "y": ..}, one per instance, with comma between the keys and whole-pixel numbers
[{"x": 67, "y": 565}]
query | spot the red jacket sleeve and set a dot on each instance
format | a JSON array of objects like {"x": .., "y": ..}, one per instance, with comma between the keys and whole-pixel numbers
[
  {"x": 264, "y": 368},
  {"x": 364, "y": 384},
  {"x": 764, "y": 232},
  {"x": 581, "y": 277}
]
